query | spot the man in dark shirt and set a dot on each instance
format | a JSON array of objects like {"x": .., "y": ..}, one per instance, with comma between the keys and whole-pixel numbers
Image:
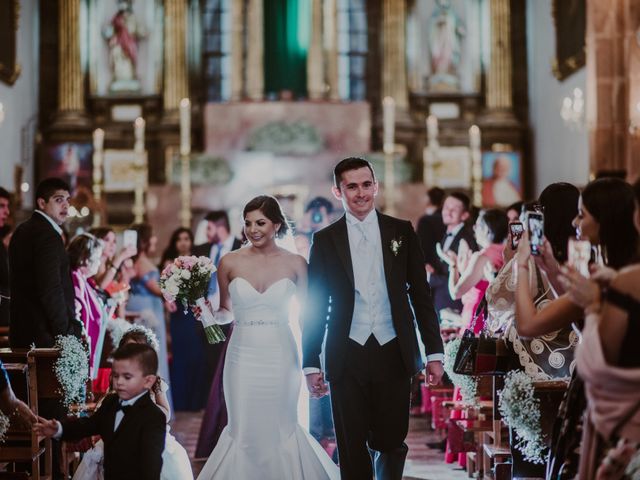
[{"x": 5, "y": 198}]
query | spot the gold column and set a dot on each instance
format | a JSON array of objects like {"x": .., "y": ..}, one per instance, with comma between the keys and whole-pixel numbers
[
  {"x": 499, "y": 76},
  {"x": 315, "y": 64},
  {"x": 330, "y": 15},
  {"x": 255, "y": 50},
  {"x": 70, "y": 81},
  {"x": 394, "y": 69},
  {"x": 237, "y": 40},
  {"x": 176, "y": 86}
]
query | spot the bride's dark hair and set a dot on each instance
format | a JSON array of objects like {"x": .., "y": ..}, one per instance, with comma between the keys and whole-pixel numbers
[{"x": 271, "y": 209}]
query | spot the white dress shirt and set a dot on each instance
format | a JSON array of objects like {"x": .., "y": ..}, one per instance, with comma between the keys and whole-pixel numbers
[
  {"x": 55, "y": 226},
  {"x": 446, "y": 245}
]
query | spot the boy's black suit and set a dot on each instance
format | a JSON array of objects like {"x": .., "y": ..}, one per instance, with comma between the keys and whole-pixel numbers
[{"x": 134, "y": 450}]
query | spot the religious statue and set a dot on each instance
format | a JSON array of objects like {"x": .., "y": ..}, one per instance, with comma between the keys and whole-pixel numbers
[
  {"x": 445, "y": 33},
  {"x": 123, "y": 33}
]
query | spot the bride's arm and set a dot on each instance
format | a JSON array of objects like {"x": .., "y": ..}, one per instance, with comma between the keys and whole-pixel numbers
[
  {"x": 301, "y": 280},
  {"x": 223, "y": 315}
]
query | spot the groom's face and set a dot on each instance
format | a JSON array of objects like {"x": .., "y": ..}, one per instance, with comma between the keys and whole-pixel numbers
[{"x": 357, "y": 192}]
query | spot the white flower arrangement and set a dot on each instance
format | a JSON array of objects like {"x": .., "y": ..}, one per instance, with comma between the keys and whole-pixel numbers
[
  {"x": 116, "y": 328},
  {"x": 520, "y": 409},
  {"x": 4, "y": 427},
  {"x": 71, "y": 368},
  {"x": 467, "y": 384}
]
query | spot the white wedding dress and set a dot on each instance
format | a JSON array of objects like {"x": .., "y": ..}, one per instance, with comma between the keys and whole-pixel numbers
[{"x": 262, "y": 379}]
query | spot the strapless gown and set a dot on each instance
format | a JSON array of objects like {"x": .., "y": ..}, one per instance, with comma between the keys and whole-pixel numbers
[{"x": 262, "y": 379}]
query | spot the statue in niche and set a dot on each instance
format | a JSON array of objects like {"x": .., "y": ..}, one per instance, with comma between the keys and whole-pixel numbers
[
  {"x": 445, "y": 44},
  {"x": 123, "y": 34}
]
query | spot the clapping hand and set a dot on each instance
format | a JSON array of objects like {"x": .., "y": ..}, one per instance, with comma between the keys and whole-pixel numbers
[
  {"x": 318, "y": 388},
  {"x": 449, "y": 257}
]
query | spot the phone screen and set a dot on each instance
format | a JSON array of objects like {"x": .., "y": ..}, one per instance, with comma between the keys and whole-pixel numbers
[
  {"x": 130, "y": 238},
  {"x": 516, "y": 229},
  {"x": 536, "y": 231}
]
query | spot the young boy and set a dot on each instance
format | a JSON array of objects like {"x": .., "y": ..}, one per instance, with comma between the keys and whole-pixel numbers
[{"x": 132, "y": 427}]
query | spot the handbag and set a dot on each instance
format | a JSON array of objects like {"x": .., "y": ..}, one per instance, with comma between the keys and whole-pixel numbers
[{"x": 482, "y": 355}]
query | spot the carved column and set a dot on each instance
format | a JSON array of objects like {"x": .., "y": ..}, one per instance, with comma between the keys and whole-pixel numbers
[
  {"x": 176, "y": 86},
  {"x": 237, "y": 41},
  {"x": 394, "y": 69},
  {"x": 315, "y": 64},
  {"x": 330, "y": 15},
  {"x": 499, "y": 92},
  {"x": 255, "y": 50},
  {"x": 70, "y": 81}
]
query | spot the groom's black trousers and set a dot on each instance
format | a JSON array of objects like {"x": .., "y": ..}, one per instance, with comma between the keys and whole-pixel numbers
[{"x": 370, "y": 403}]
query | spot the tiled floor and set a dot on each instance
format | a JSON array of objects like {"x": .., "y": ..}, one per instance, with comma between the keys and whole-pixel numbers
[{"x": 423, "y": 463}]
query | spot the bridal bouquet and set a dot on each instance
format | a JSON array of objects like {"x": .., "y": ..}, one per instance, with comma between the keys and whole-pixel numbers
[{"x": 186, "y": 281}]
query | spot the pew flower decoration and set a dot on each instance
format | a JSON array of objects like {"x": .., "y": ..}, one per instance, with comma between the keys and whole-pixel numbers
[
  {"x": 71, "y": 368},
  {"x": 186, "y": 280},
  {"x": 467, "y": 384},
  {"x": 520, "y": 409},
  {"x": 4, "y": 427}
]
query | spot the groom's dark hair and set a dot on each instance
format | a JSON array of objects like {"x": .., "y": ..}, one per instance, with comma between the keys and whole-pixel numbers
[{"x": 351, "y": 163}]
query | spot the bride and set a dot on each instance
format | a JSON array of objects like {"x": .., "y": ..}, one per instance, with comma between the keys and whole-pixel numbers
[{"x": 262, "y": 375}]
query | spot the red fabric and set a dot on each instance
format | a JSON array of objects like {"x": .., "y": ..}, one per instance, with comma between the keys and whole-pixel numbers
[
  {"x": 101, "y": 383},
  {"x": 123, "y": 37}
]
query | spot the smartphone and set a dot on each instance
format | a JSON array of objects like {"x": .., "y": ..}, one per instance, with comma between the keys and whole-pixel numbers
[
  {"x": 579, "y": 255},
  {"x": 516, "y": 229},
  {"x": 130, "y": 238},
  {"x": 535, "y": 223}
]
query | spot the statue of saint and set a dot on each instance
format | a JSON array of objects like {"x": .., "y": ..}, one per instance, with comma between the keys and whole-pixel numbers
[
  {"x": 445, "y": 33},
  {"x": 123, "y": 34}
]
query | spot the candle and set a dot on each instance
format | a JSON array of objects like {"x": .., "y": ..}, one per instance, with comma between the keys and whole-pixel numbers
[
  {"x": 474, "y": 137},
  {"x": 138, "y": 130},
  {"x": 388, "y": 124},
  {"x": 432, "y": 126},
  {"x": 185, "y": 126},
  {"x": 98, "y": 139}
]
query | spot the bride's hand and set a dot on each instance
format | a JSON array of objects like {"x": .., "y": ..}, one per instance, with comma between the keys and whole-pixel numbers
[{"x": 317, "y": 386}]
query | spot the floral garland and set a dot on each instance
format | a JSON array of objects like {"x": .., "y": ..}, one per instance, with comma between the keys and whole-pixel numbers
[
  {"x": 467, "y": 384},
  {"x": 520, "y": 409},
  {"x": 4, "y": 426},
  {"x": 71, "y": 368}
]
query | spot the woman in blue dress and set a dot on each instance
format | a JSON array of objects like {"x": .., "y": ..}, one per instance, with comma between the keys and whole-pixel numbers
[
  {"x": 145, "y": 296},
  {"x": 188, "y": 358}
]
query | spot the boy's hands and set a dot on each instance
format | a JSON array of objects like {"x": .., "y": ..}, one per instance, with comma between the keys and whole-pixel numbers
[{"x": 46, "y": 428}]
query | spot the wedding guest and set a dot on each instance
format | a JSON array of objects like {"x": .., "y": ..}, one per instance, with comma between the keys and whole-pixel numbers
[
  {"x": 145, "y": 294},
  {"x": 5, "y": 294},
  {"x": 605, "y": 218},
  {"x": 112, "y": 259},
  {"x": 131, "y": 425},
  {"x": 430, "y": 228},
  {"x": 220, "y": 241},
  {"x": 10, "y": 405},
  {"x": 513, "y": 211},
  {"x": 455, "y": 212},
  {"x": 42, "y": 296},
  {"x": 188, "y": 366},
  {"x": 84, "y": 252}
]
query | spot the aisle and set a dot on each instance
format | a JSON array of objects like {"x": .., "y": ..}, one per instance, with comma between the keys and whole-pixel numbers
[{"x": 422, "y": 462}]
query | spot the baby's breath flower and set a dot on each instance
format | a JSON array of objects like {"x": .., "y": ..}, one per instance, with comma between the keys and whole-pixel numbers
[{"x": 71, "y": 368}]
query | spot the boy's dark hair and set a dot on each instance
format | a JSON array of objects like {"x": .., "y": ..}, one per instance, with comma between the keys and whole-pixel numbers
[
  {"x": 47, "y": 187},
  {"x": 463, "y": 197},
  {"x": 146, "y": 356},
  {"x": 219, "y": 217},
  {"x": 436, "y": 196},
  {"x": 350, "y": 163},
  {"x": 5, "y": 194}
]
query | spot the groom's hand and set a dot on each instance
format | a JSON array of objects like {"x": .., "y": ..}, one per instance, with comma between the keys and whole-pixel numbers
[
  {"x": 434, "y": 372},
  {"x": 317, "y": 386}
]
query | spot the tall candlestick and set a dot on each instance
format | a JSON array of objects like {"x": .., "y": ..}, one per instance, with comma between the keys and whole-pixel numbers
[
  {"x": 185, "y": 126},
  {"x": 140, "y": 169},
  {"x": 138, "y": 132},
  {"x": 474, "y": 136},
  {"x": 98, "y": 144},
  {"x": 475, "y": 143},
  {"x": 388, "y": 124},
  {"x": 432, "y": 127}
]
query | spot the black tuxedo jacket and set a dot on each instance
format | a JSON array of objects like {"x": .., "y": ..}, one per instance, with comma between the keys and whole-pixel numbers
[
  {"x": 330, "y": 302},
  {"x": 42, "y": 296},
  {"x": 134, "y": 450},
  {"x": 430, "y": 231},
  {"x": 204, "y": 249},
  {"x": 5, "y": 291}
]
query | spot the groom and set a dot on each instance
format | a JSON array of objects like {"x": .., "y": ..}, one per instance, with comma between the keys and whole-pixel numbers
[{"x": 367, "y": 289}]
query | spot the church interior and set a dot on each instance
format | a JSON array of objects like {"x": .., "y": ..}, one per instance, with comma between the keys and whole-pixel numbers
[{"x": 159, "y": 112}]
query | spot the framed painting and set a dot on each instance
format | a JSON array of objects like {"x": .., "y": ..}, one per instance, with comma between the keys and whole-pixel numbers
[
  {"x": 9, "y": 67},
  {"x": 452, "y": 167},
  {"x": 501, "y": 178},
  {"x": 69, "y": 161},
  {"x": 120, "y": 170},
  {"x": 570, "y": 18}
]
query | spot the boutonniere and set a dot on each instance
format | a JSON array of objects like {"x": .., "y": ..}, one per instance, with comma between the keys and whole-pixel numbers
[{"x": 395, "y": 245}]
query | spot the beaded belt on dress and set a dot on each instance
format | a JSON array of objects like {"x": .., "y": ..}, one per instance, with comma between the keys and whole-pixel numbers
[{"x": 255, "y": 323}]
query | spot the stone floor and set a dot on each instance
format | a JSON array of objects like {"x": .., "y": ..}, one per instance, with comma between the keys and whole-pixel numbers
[{"x": 423, "y": 463}]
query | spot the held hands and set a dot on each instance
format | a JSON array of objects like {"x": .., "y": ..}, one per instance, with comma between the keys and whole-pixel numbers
[
  {"x": 434, "y": 372},
  {"x": 318, "y": 388},
  {"x": 46, "y": 428}
]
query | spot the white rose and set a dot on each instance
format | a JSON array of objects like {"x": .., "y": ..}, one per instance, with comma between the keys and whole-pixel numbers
[
  {"x": 186, "y": 274},
  {"x": 172, "y": 289}
]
